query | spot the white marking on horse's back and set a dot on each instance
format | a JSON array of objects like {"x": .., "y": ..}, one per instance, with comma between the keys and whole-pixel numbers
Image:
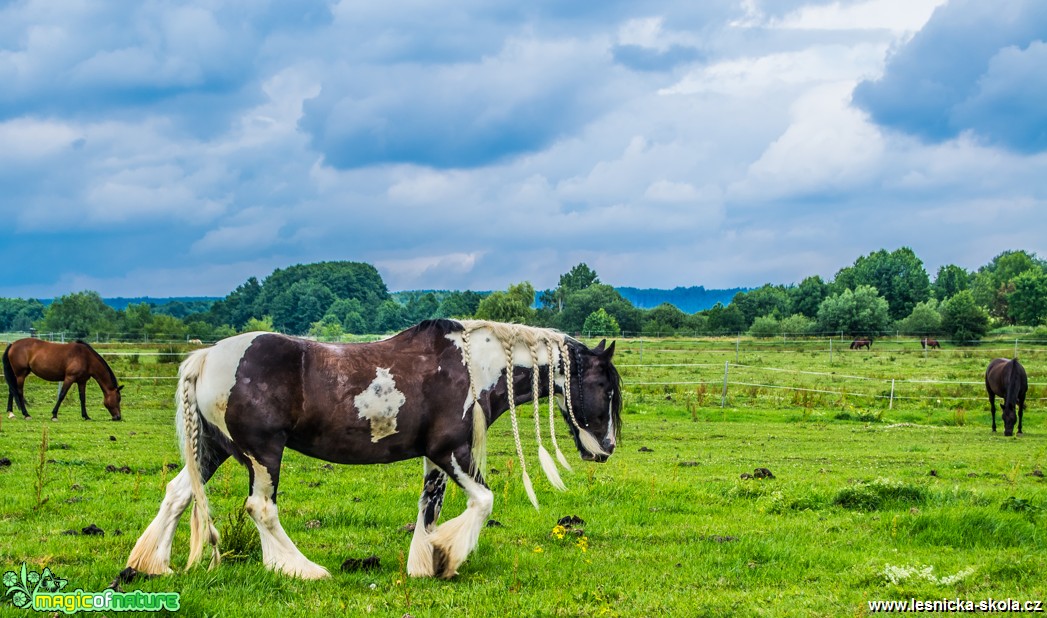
[
  {"x": 380, "y": 403},
  {"x": 218, "y": 376}
]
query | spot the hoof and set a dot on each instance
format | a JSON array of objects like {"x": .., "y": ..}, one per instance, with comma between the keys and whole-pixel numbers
[{"x": 54, "y": 419}]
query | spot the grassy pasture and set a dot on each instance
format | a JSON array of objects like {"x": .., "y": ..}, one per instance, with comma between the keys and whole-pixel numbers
[{"x": 870, "y": 500}]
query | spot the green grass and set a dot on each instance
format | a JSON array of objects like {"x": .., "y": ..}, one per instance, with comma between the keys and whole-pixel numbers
[{"x": 874, "y": 504}]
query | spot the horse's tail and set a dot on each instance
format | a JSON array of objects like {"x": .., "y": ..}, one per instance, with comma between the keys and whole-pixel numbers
[
  {"x": 188, "y": 420},
  {"x": 1014, "y": 383},
  {"x": 12, "y": 382}
]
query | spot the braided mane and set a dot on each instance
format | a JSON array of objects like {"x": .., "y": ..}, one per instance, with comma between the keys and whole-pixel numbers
[{"x": 558, "y": 353}]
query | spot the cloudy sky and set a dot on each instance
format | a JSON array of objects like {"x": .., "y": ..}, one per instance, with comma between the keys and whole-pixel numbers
[{"x": 177, "y": 148}]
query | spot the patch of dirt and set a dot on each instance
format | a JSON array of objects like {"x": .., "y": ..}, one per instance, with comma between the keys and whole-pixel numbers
[{"x": 370, "y": 563}]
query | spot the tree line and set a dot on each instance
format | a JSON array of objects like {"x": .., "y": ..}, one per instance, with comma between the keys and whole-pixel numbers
[{"x": 882, "y": 292}]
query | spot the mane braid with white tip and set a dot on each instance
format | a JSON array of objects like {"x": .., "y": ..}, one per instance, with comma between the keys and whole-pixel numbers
[
  {"x": 479, "y": 444},
  {"x": 552, "y": 406},
  {"x": 548, "y": 466},
  {"x": 508, "y": 344}
]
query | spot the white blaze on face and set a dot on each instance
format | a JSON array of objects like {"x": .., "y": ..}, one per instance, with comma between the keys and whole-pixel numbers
[{"x": 380, "y": 403}]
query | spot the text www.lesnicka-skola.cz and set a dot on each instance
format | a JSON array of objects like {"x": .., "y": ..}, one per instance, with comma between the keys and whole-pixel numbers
[{"x": 956, "y": 605}]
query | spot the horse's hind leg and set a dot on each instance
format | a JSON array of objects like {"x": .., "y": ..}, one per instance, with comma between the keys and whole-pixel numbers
[
  {"x": 279, "y": 552},
  {"x": 62, "y": 391},
  {"x": 420, "y": 559},
  {"x": 18, "y": 393},
  {"x": 82, "y": 386},
  {"x": 152, "y": 552},
  {"x": 455, "y": 539}
]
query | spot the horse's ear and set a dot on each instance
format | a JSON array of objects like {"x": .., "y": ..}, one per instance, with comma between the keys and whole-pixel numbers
[
  {"x": 609, "y": 352},
  {"x": 599, "y": 346}
]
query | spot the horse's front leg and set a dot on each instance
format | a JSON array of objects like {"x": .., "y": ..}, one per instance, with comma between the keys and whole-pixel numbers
[
  {"x": 1021, "y": 412},
  {"x": 420, "y": 560},
  {"x": 455, "y": 539},
  {"x": 279, "y": 553},
  {"x": 992, "y": 409},
  {"x": 62, "y": 391},
  {"x": 82, "y": 386}
]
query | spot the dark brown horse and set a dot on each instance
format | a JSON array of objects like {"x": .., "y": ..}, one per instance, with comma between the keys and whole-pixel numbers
[
  {"x": 68, "y": 363},
  {"x": 1007, "y": 379},
  {"x": 431, "y": 391},
  {"x": 861, "y": 342},
  {"x": 927, "y": 342}
]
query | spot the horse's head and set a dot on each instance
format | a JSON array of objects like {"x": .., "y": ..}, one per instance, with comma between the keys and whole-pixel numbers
[
  {"x": 596, "y": 401},
  {"x": 1010, "y": 417},
  {"x": 112, "y": 401}
]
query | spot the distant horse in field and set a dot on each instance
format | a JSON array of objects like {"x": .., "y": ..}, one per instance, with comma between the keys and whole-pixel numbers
[
  {"x": 68, "y": 363},
  {"x": 861, "y": 342},
  {"x": 431, "y": 391},
  {"x": 1007, "y": 379},
  {"x": 927, "y": 342}
]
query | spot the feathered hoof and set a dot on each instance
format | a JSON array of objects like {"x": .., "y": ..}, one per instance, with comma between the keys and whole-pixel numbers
[
  {"x": 302, "y": 570},
  {"x": 442, "y": 565}
]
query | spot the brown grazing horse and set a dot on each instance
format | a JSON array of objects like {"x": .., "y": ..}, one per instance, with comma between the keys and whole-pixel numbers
[
  {"x": 861, "y": 342},
  {"x": 927, "y": 342},
  {"x": 68, "y": 363},
  {"x": 1007, "y": 379},
  {"x": 431, "y": 392}
]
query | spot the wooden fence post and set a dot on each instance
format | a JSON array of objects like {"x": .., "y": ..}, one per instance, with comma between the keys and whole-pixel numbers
[
  {"x": 891, "y": 405},
  {"x": 723, "y": 396}
]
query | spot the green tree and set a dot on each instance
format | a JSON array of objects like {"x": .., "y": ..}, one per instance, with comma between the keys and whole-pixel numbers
[
  {"x": 265, "y": 324},
  {"x": 79, "y": 315},
  {"x": 166, "y": 328},
  {"x": 391, "y": 316},
  {"x": 575, "y": 280},
  {"x": 17, "y": 314},
  {"x": 665, "y": 319},
  {"x": 797, "y": 324},
  {"x": 950, "y": 280},
  {"x": 327, "y": 328},
  {"x": 805, "y": 298},
  {"x": 601, "y": 324},
  {"x": 579, "y": 304},
  {"x": 1027, "y": 304},
  {"x": 721, "y": 320},
  {"x": 513, "y": 305},
  {"x": 422, "y": 307},
  {"x": 993, "y": 283},
  {"x": 304, "y": 302},
  {"x": 861, "y": 311},
  {"x": 765, "y": 326},
  {"x": 963, "y": 320},
  {"x": 349, "y": 313},
  {"x": 459, "y": 305},
  {"x": 924, "y": 320},
  {"x": 769, "y": 300},
  {"x": 236, "y": 308},
  {"x": 136, "y": 320},
  {"x": 898, "y": 276}
]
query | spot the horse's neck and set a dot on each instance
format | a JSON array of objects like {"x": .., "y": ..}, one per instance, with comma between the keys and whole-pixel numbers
[{"x": 102, "y": 373}]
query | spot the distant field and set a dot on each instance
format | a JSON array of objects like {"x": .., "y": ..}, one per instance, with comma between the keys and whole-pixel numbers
[{"x": 873, "y": 498}]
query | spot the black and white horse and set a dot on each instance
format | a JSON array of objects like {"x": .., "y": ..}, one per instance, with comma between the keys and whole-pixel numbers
[{"x": 431, "y": 391}]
